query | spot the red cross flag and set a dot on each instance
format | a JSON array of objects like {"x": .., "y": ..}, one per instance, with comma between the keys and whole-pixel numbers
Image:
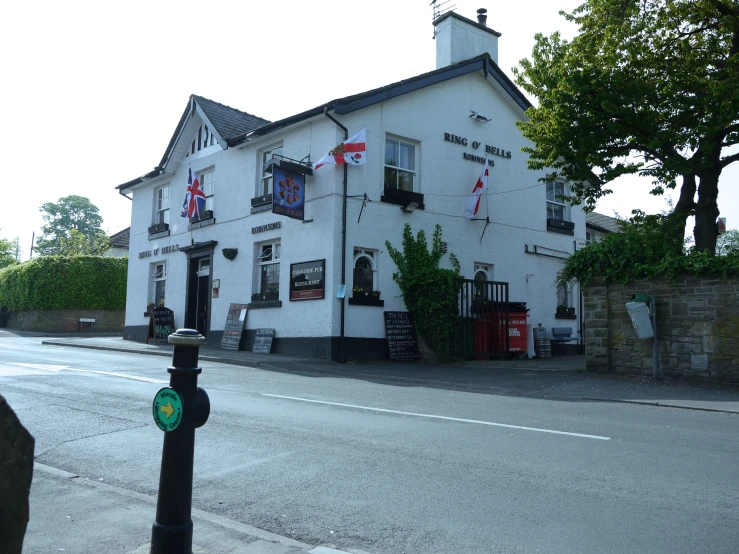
[
  {"x": 473, "y": 204},
  {"x": 352, "y": 151}
]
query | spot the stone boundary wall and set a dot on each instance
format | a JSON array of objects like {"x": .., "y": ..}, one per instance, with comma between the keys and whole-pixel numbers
[
  {"x": 697, "y": 327},
  {"x": 66, "y": 321}
]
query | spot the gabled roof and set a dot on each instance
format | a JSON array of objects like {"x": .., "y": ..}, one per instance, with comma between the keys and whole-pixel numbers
[
  {"x": 602, "y": 223},
  {"x": 235, "y": 126},
  {"x": 227, "y": 121},
  {"x": 120, "y": 239}
]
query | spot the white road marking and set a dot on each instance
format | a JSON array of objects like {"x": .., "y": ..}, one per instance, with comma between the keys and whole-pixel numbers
[
  {"x": 123, "y": 375},
  {"x": 445, "y": 418},
  {"x": 45, "y": 367}
]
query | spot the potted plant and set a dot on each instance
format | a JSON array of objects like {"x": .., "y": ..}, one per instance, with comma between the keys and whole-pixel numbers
[
  {"x": 269, "y": 294},
  {"x": 149, "y": 308},
  {"x": 359, "y": 292},
  {"x": 376, "y": 294},
  {"x": 564, "y": 310}
]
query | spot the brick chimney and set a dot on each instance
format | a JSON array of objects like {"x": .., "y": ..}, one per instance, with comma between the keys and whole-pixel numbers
[{"x": 459, "y": 38}]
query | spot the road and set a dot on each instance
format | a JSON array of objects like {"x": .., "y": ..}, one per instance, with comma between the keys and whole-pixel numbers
[{"x": 388, "y": 468}]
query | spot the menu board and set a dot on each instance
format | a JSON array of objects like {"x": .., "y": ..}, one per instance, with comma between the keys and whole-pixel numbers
[
  {"x": 234, "y": 327},
  {"x": 402, "y": 340},
  {"x": 263, "y": 341},
  {"x": 161, "y": 324}
]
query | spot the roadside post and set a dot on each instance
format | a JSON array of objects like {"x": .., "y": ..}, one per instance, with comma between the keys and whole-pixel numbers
[
  {"x": 178, "y": 410},
  {"x": 643, "y": 312}
]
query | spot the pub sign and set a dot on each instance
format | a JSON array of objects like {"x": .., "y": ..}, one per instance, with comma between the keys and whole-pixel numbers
[
  {"x": 288, "y": 193},
  {"x": 307, "y": 280}
]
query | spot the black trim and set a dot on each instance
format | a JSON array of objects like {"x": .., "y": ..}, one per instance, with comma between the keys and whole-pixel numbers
[
  {"x": 261, "y": 200},
  {"x": 560, "y": 226},
  {"x": 264, "y": 304},
  {"x": 199, "y": 247},
  {"x": 153, "y": 236},
  {"x": 402, "y": 197},
  {"x": 158, "y": 228},
  {"x": 598, "y": 228},
  {"x": 291, "y": 166},
  {"x": 198, "y": 223},
  {"x": 366, "y": 301}
]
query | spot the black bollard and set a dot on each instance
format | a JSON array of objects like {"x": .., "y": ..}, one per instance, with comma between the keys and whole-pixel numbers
[{"x": 172, "y": 529}]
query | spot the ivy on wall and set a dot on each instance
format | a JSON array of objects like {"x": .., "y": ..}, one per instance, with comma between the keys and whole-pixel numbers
[
  {"x": 430, "y": 292},
  {"x": 57, "y": 282}
]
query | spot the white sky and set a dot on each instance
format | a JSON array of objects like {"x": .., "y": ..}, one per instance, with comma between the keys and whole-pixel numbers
[{"x": 94, "y": 90}]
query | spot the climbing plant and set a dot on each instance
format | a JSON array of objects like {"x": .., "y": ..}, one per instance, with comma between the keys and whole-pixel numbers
[{"x": 430, "y": 292}]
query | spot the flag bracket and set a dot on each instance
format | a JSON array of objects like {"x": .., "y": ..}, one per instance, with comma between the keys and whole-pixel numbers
[{"x": 487, "y": 222}]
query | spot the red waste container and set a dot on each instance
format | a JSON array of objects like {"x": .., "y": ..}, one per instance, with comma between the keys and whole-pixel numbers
[
  {"x": 517, "y": 337},
  {"x": 483, "y": 337}
]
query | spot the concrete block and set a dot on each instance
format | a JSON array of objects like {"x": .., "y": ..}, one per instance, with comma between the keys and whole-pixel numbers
[{"x": 699, "y": 362}]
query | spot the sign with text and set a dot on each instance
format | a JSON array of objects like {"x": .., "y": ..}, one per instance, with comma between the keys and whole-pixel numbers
[
  {"x": 263, "y": 341},
  {"x": 234, "y": 327},
  {"x": 161, "y": 324},
  {"x": 402, "y": 340},
  {"x": 288, "y": 193},
  {"x": 307, "y": 280}
]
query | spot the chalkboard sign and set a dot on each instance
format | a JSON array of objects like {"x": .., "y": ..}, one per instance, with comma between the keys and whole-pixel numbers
[
  {"x": 234, "y": 327},
  {"x": 263, "y": 341},
  {"x": 402, "y": 340},
  {"x": 161, "y": 324}
]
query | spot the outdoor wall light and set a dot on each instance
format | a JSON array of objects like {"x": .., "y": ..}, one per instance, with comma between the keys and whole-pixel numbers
[
  {"x": 410, "y": 207},
  {"x": 477, "y": 117}
]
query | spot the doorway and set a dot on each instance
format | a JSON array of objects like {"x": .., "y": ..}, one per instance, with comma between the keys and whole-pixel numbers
[{"x": 197, "y": 313}]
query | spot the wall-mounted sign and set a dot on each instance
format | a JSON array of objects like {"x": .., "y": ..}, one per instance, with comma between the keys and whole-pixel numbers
[
  {"x": 156, "y": 251},
  {"x": 288, "y": 193},
  {"x": 268, "y": 227},
  {"x": 307, "y": 280},
  {"x": 492, "y": 150},
  {"x": 721, "y": 225}
]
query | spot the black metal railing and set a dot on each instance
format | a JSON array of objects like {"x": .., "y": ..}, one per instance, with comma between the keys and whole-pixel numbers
[{"x": 483, "y": 309}]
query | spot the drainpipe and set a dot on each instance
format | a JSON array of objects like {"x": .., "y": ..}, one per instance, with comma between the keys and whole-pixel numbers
[
  {"x": 123, "y": 194},
  {"x": 343, "y": 239}
]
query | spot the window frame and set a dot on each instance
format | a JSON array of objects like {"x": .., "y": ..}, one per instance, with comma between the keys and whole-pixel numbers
[
  {"x": 566, "y": 291},
  {"x": 266, "y": 154},
  {"x": 399, "y": 168},
  {"x": 259, "y": 263},
  {"x": 371, "y": 255},
  {"x": 209, "y": 195},
  {"x": 555, "y": 202},
  {"x": 158, "y": 277},
  {"x": 161, "y": 215}
]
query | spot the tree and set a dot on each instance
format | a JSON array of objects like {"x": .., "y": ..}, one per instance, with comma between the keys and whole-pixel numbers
[
  {"x": 647, "y": 87},
  {"x": 72, "y": 227},
  {"x": 8, "y": 252},
  {"x": 728, "y": 243}
]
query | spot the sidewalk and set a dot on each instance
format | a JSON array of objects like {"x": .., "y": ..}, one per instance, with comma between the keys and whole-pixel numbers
[
  {"x": 80, "y": 515},
  {"x": 558, "y": 378}
]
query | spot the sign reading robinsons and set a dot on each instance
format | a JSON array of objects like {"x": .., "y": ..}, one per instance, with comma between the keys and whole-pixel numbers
[
  {"x": 307, "y": 280},
  {"x": 288, "y": 193},
  {"x": 402, "y": 340}
]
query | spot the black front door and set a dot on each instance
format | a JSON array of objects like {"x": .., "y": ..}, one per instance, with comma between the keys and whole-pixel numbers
[
  {"x": 203, "y": 297},
  {"x": 197, "y": 310}
]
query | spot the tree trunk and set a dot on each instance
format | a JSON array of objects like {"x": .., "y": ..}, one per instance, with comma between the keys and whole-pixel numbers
[
  {"x": 682, "y": 210},
  {"x": 706, "y": 211}
]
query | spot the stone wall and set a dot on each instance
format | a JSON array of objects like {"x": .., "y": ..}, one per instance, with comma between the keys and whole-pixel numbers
[
  {"x": 697, "y": 327},
  {"x": 66, "y": 321}
]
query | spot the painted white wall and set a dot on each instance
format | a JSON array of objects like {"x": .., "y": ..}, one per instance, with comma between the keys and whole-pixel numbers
[
  {"x": 516, "y": 204},
  {"x": 457, "y": 41}
]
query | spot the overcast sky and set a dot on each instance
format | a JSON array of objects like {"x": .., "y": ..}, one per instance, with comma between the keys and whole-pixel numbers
[{"x": 94, "y": 90}]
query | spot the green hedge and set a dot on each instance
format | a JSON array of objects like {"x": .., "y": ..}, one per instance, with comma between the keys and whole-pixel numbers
[{"x": 59, "y": 282}]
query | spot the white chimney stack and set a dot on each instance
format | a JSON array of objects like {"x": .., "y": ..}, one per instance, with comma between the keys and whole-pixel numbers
[{"x": 459, "y": 38}]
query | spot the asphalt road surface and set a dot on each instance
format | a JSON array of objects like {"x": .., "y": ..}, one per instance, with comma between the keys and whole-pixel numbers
[{"x": 394, "y": 469}]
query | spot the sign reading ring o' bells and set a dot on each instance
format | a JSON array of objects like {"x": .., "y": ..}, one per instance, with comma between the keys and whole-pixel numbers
[{"x": 167, "y": 409}]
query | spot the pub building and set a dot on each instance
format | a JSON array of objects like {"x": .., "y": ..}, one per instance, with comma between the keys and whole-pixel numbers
[{"x": 276, "y": 235}]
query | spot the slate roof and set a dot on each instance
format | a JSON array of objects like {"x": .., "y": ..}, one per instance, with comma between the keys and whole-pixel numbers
[
  {"x": 120, "y": 239},
  {"x": 228, "y": 122},
  {"x": 602, "y": 223}
]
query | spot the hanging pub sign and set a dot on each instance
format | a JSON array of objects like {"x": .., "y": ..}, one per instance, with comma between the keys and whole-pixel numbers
[
  {"x": 288, "y": 193},
  {"x": 307, "y": 280}
]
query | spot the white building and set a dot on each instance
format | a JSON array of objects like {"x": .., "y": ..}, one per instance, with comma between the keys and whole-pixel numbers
[{"x": 441, "y": 126}]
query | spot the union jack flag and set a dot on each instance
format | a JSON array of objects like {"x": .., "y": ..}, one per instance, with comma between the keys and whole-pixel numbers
[{"x": 194, "y": 199}]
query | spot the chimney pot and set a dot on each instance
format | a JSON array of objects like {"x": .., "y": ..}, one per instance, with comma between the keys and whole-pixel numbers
[{"x": 482, "y": 16}]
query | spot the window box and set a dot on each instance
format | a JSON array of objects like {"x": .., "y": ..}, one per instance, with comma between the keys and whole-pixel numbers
[
  {"x": 560, "y": 226},
  {"x": 266, "y": 297},
  {"x": 158, "y": 228},
  {"x": 261, "y": 200},
  {"x": 402, "y": 197},
  {"x": 253, "y": 305},
  {"x": 205, "y": 214},
  {"x": 368, "y": 300},
  {"x": 565, "y": 313}
]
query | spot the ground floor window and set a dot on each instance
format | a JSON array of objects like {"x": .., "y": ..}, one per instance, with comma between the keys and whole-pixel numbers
[
  {"x": 365, "y": 270},
  {"x": 268, "y": 263},
  {"x": 158, "y": 283}
]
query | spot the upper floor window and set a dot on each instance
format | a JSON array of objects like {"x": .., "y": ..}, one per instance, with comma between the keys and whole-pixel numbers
[
  {"x": 161, "y": 208},
  {"x": 207, "y": 185},
  {"x": 400, "y": 165},
  {"x": 265, "y": 181},
  {"x": 556, "y": 207}
]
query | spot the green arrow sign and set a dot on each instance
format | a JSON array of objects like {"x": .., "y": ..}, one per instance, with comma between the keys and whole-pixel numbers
[{"x": 167, "y": 409}]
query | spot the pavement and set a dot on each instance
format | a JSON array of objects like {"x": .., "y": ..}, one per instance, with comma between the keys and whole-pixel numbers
[{"x": 115, "y": 519}]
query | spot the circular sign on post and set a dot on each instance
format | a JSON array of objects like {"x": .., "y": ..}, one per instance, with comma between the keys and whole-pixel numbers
[{"x": 167, "y": 409}]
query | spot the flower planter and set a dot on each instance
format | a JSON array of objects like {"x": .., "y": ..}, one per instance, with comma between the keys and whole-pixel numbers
[{"x": 265, "y": 297}]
